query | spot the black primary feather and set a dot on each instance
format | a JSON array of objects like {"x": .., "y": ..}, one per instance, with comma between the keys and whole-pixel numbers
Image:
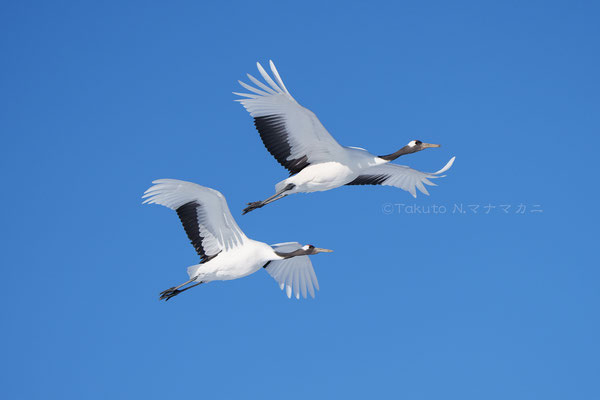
[
  {"x": 188, "y": 214},
  {"x": 369, "y": 180},
  {"x": 274, "y": 136}
]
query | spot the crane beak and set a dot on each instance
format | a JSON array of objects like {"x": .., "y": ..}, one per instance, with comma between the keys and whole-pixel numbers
[
  {"x": 426, "y": 145},
  {"x": 318, "y": 250}
]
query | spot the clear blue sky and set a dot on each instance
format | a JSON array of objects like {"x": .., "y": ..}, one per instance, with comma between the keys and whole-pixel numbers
[{"x": 97, "y": 100}]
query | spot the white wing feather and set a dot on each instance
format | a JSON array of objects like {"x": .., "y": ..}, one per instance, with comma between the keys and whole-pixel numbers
[
  {"x": 296, "y": 275},
  {"x": 406, "y": 178},
  {"x": 218, "y": 229},
  {"x": 303, "y": 132}
]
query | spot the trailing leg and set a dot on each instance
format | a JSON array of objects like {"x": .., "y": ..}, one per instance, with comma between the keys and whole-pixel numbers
[
  {"x": 258, "y": 204},
  {"x": 174, "y": 291}
]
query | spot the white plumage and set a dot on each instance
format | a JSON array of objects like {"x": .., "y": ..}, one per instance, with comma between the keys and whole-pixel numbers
[
  {"x": 406, "y": 178},
  {"x": 294, "y": 274},
  {"x": 317, "y": 162},
  {"x": 226, "y": 252}
]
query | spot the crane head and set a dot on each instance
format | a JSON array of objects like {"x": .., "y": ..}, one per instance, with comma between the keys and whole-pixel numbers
[
  {"x": 412, "y": 147},
  {"x": 309, "y": 249},
  {"x": 417, "y": 145}
]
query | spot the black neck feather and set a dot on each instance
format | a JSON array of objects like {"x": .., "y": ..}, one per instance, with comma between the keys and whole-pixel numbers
[
  {"x": 295, "y": 253},
  {"x": 401, "y": 152}
]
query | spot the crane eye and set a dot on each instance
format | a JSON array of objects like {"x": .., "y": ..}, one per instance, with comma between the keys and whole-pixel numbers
[
  {"x": 418, "y": 142},
  {"x": 310, "y": 246}
]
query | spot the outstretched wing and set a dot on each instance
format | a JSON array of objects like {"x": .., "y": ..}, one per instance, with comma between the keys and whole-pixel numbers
[
  {"x": 295, "y": 274},
  {"x": 292, "y": 134},
  {"x": 400, "y": 176},
  {"x": 203, "y": 212}
]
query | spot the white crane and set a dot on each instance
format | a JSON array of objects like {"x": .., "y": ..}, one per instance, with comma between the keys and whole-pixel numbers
[
  {"x": 225, "y": 252},
  {"x": 316, "y": 161}
]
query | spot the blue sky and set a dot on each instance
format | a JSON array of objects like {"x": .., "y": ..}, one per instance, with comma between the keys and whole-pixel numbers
[{"x": 97, "y": 100}]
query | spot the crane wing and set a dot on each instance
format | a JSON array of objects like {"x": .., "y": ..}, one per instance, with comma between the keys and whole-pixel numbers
[
  {"x": 203, "y": 212},
  {"x": 292, "y": 134},
  {"x": 295, "y": 274},
  {"x": 400, "y": 176}
]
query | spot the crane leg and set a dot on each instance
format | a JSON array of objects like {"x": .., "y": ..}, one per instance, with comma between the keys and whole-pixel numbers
[
  {"x": 174, "y": 291},
  {"x": 258, "y": 204}
]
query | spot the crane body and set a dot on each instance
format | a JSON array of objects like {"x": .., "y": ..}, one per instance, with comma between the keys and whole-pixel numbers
[
  {"x": 225, "y": 252},
  {"x": 316, "y": 161}
]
